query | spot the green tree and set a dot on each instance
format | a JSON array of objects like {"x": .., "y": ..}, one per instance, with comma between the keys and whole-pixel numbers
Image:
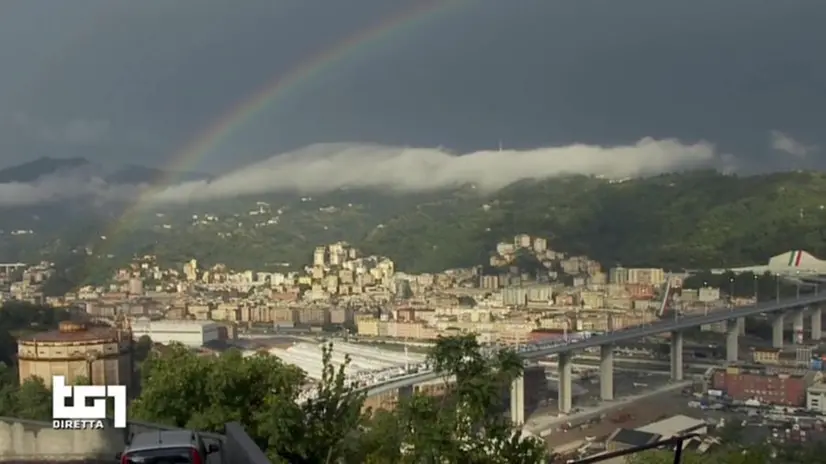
[
  {"x": 142, "y": 348},
  {"x": 187, "y": 390},
  {"x": 8, "y": 400},
  {"x": 34, "y": 400},
  {"x": 731, "y": 433},
  {"x": 467, "y": 424},
  {"x": 260, "y": 392},
  {"x": 8, "y": 390},
  {"x": 329, "y": 422},
  {"x": 8, "y": 347},
  {"x": 810, "y": 453},
  {"x": 17, "y": 315}
]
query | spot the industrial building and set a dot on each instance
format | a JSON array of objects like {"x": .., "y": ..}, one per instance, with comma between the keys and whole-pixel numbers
[
  {"x": 365, "y": 361},
  {"x": 782, "y": 387},
  {"x": 189, "y": 333},
  {"x": 370, "y": 366},
  {"x": 816, "y": 397},
  {"x": 791, "y": 262},
  {"x": 623, "y": 439},
  {"x": 799, "y": 355},
  {"x": 673, "y": 426},
  {"x": 101, "y": 355}
]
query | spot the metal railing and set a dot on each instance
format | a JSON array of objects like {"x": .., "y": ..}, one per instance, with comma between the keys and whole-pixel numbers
[
  {"x": 240, "y": 448},
  {"x": 674, "y": 444}
]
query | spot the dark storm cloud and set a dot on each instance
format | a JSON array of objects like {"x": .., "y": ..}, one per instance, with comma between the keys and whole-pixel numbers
[
  {"x": 738, "y": 73},
  {"x": 74, "y": 132}
]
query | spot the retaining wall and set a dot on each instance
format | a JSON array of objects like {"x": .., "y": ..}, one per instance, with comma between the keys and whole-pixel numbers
[
  {"x": 33, "y": 441},
  {"x": 22, "y": 440}
]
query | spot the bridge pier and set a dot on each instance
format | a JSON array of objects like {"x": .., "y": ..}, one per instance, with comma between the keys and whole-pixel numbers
[
  {"x": 741, "y": 326},
  {"x": 817, "y": 322},
  {"x": 518, "y": 401},
  {"x": 676, "y": 356},
  {"x": 797, "y": 326},
  {"x": 732, "y": 344},
  {"x": 10, "y": 267},
  {"x": 606, "y": 372},
  {"x": 564, "y": 370},
  {"x": 405, "y": 392},
  {"x": 777, "y": 331}
]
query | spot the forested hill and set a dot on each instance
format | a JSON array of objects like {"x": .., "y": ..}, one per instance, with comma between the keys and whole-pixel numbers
[
  {"x": 686, "y": 220},
  {"x": 677, "y": 221}
]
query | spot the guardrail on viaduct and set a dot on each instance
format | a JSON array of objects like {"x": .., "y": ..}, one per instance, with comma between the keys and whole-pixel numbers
[{"x": 667, "y": 324}]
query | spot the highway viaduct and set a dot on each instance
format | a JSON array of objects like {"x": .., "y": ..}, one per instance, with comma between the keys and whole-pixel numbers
[
  {"x": 798, "y": 307},
  {"x": 8, "y": 268}
]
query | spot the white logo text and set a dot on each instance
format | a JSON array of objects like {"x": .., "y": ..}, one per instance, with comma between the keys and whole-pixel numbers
[{"x": 81, "y": 416}]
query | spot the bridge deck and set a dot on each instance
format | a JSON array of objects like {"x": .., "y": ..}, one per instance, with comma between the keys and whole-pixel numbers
[{"x": 665, "y": 325}]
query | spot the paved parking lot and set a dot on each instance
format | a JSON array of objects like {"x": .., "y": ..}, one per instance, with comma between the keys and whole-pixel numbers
[
  {"x": 644, "y": 412},
  {"x": 626, "y": 383}
]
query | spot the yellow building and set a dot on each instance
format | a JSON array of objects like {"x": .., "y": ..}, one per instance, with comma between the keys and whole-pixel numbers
[
  {"x": 766, "y": 355},
  {"x": 102, "y": 355}
]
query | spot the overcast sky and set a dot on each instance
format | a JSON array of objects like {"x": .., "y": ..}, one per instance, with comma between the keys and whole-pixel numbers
[{"x": 134, "y": 81}]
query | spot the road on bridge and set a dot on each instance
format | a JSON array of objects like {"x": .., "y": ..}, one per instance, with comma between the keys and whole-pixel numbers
[{"x": 665, "y": 325}]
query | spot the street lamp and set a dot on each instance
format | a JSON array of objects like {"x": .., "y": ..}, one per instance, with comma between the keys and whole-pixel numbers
[
  {"x": 756, "y": 287},
  {"x": 777, "y": 286},
  {"x": 798, "y": 284},
  {"x": 731, "y": 290}
]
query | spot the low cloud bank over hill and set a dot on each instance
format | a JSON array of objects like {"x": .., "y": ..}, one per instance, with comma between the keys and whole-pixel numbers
[{"x": 328, "y": 167}]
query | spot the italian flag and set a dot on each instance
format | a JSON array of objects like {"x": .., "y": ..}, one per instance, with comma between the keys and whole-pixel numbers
[{"x": 794, "y": 258}]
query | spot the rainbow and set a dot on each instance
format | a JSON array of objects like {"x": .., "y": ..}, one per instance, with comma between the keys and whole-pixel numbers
[
  {"x": 240, "y": 114},
  {"x": 284, "y": 85}
]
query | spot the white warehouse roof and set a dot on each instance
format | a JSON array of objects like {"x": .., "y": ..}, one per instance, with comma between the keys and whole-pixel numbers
[
  {"x": 143, "y": 325},
  {"x": 674, "y": 425},
  {"x": 363, "y": 359}
]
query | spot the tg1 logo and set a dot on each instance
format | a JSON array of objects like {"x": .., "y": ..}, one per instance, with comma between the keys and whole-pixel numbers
[{"x": 79, "y": 415}]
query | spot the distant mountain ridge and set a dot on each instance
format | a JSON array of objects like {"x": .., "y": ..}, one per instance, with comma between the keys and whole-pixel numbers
[
  {"x": 41, "y": 167},
  {"x": 689, "y": 220},
  {"x": 130, "y": 174}
]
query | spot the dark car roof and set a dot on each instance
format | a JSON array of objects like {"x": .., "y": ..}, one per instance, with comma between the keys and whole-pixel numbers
[{"x": 162, "y": 439}]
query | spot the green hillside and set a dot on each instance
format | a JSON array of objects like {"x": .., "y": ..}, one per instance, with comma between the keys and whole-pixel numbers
[
  {"x": 686, "y": 220},
  {"x": 690, "y": 220}
]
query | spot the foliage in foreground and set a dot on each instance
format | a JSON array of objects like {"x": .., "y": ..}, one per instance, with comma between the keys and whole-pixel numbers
[
  {"x": 31, "y": 400},
  {"x": 813, "y": 453},
  {"x": 735, "y": 448},
  {"x": 467, "y": 425}
]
